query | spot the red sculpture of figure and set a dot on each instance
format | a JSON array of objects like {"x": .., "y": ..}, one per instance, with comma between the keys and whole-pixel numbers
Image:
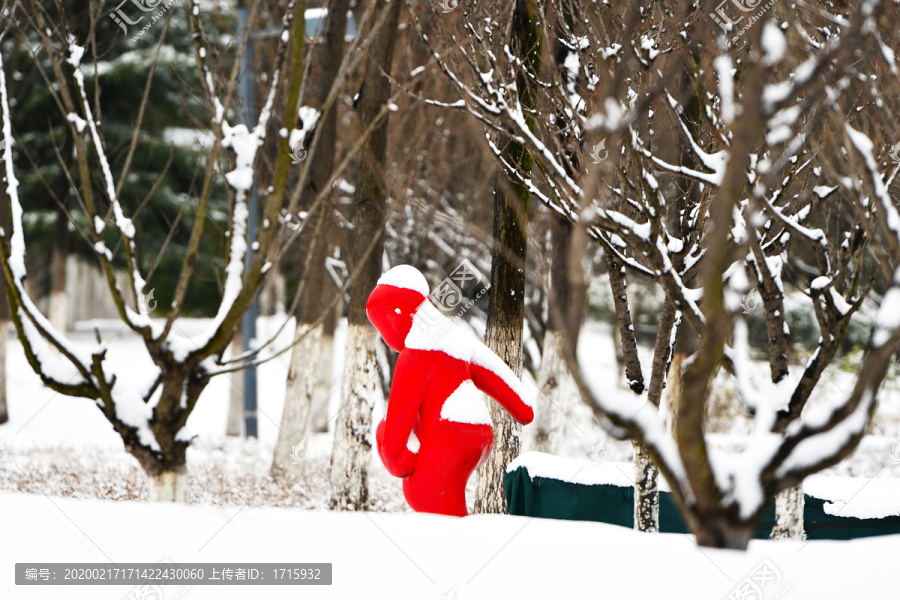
[{"x": 437, "y": 430}]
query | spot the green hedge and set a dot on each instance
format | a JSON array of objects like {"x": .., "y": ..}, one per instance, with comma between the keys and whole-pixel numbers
[{"x": 607, "y": 503}]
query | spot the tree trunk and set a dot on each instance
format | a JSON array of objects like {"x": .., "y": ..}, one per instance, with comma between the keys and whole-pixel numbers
[
  {"x": 506, "y": 341},
  {"x": 58, "y": 304},
  {"x": 161, "y": 448},
  {"x": 4, "y": 338},
  {"x": 646, "y": 473},
  {"x": 58, "y": 310},
  {"x": 553, "y": 400},
  {"x": 554, "y": 380},
  {"x": 360, "y": 388},
  {"x": 169, "y": 486},
  {"x": 322, "y": 391},
  {"x": 506, "y": 307},
  {"x": 305, "y": 356},
  {"x": 789, "y": 506},
  {"x": 673, "y": 391},
  {"x": 166, "y": 467},
  {"x": 5, "y": 316},
  {"x": 272, "y": 296},
  {"x": 718, "y": 531},
  {"x": 293, "y": 437},
  {"x": 563, "y": 295},
  {"x": 646, "y": 492},
  {"x": 235, "y": 426},
  {"x": 353, "y": 433},
  {"x": 504, "y": 331},
  {"x": 303, "y": 376}
]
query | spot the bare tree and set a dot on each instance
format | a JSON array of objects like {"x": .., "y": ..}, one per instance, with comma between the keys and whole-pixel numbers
[
  {"x": 510, "y": 233},
  {"x": 305, "y": 372},
  {"x": 554, "y": 381},
  {"x": 361, "y": 384},
  {"x": 761, "y": 190},
  {"x": 150, "y": 414}
]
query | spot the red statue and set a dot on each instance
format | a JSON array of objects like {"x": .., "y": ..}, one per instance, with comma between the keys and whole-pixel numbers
[{"x": 437, "y": 430}]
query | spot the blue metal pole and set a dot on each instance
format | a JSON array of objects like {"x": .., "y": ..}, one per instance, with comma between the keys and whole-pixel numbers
[{"x": 247, "y": 86}]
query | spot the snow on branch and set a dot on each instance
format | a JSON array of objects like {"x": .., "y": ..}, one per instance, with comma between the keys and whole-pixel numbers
[
  {"x": 39, "y": 338},
  {"x": 244, "y": 144},
  {"x": 888, "y": 215},
  {"x": 122, "y": 223}
]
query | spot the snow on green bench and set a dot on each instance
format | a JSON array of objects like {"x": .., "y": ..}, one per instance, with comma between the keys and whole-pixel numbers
[
  {"x": 858, "y": 497},
  {"x": 579, "y": 471}
]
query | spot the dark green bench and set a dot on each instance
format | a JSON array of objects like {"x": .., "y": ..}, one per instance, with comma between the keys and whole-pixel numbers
[{"x": 610, "y": 503}]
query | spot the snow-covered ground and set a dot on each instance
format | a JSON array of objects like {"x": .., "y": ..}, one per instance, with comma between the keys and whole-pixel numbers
[
  {"x": 424, "y": 557},
  {"x": 63, "y": 464}
]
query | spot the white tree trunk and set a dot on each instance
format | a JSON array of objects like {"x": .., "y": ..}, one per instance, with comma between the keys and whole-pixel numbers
[
  {"x": 290, "y": 450},
  {"x": 671, "y": 393},
  {"x": 322, "y": 390},
  {"x": 553, "y": 401},
  {"x": 4, "y": 338},
  {"x": 789, "y": 506},
  {"x": 352, "y": 450},
  {"x": 58, "y": 310},
  {"x": 646, "y": 473},
  {"x": 169, "y": 486},
  {"x": 235, "y": 426},
  {"x": 646, "y": 493},
  {"x": 272, "y": 296}
]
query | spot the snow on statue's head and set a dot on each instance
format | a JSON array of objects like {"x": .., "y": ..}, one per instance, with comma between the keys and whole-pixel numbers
[{"x": 394, "y": 301}]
